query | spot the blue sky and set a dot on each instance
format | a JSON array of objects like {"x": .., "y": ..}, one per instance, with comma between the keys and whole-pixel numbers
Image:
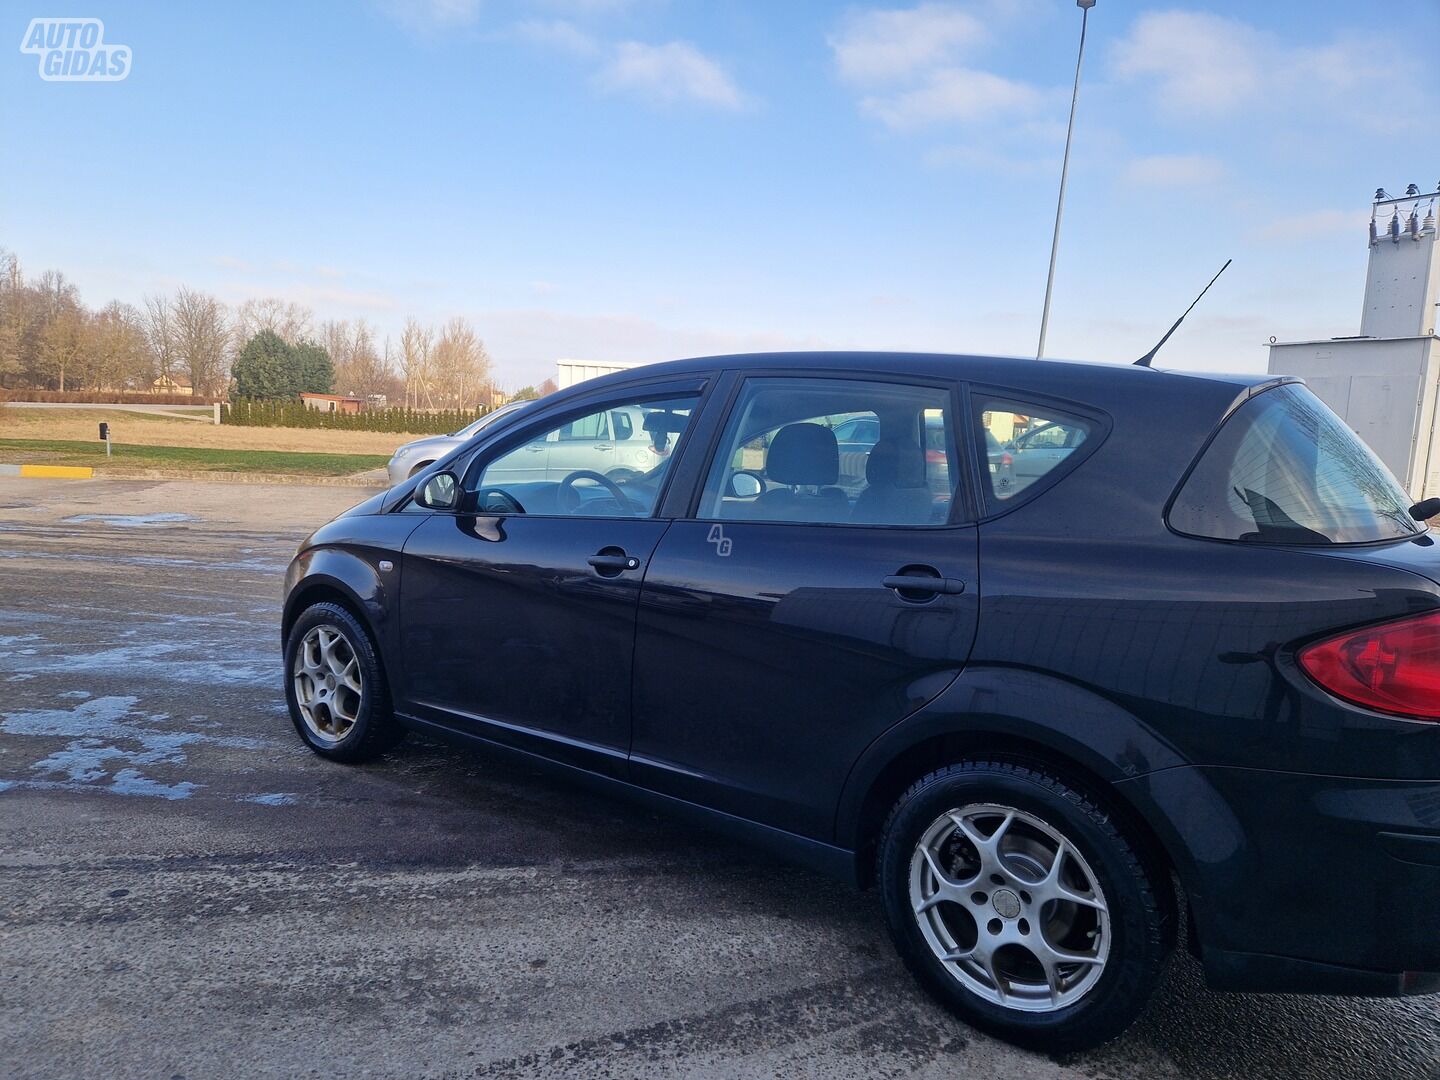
[{"x": 644, "y": 179}]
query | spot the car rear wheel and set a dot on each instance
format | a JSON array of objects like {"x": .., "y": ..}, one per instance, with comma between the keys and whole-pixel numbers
[
  {"x": 1020, "y": 903},
  {"x": 335, "y": 686}
]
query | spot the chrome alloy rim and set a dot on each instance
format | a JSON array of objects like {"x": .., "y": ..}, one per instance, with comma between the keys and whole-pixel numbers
[
  {"x": 328, "y": 686},
  {"x": 1010, "y": 908}
]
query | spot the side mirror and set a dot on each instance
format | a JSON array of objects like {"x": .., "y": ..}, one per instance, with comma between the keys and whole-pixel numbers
[
  {"x": 745, "y": 485},
  {"x": 439, "y": 492},
  {"x": 1425, "y": 510}
]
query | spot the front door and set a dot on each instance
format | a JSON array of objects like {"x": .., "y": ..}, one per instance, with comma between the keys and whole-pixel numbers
[
  {"x": 518, "y": 614},
  {"x": 801, "y": 611}
]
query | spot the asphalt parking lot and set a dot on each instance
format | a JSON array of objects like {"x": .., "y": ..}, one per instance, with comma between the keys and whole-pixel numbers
[{"x": 186, "y": 891}]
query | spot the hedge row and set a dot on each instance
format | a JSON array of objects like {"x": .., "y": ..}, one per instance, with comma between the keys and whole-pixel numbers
[
  {"x": 104, "y": 397},
  {"x": 250, "y": 413}
]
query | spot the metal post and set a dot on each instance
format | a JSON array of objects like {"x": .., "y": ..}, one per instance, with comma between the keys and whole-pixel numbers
[{"x": 1085, "y": 6}]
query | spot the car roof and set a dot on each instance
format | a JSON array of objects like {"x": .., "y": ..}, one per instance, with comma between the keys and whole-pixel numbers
[
  {"x": 1025, "y": 372},
  {"x": 1103, "y": 385}
]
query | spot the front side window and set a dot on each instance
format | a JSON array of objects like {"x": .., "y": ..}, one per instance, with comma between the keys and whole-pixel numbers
[
  {"x": 1024, "y": 443},
  {"x": 835, "y": 451},
  {"x": 574, "y": 467},
  {"x": 1284, "y": 469}
]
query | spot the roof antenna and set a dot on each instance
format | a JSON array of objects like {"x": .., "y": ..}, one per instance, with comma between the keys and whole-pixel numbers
[{"x": 1144, "y": 361}]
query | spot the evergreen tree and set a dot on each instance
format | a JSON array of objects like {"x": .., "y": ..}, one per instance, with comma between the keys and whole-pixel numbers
[
  {"x": 265, "y": 368},
  {"x": 314, "y": 372}
]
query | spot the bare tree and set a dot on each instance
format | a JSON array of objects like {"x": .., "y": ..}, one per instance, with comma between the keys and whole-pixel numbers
[
  {"x": 60, "y": 344},
  {"x": 285, "y": 318},
  {"x": 14, "y": 315},
  {"x": 202, "y": 340},
  {"x": 460, "y": 364},
  {"x": 160, "y": 334},
  {"x": 118, "y": 355},
  {"x": 416, "y": 342}
]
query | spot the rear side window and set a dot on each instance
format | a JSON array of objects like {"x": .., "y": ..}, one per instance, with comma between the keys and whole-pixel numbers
[
  {"x": 1284, "y": 469},
  {"x": 1024, "y": 443}
]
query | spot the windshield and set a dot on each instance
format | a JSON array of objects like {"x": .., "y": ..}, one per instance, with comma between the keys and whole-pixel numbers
[
  {"x": 484, "y": 421},
  {"x": 1284, "y": 469}
]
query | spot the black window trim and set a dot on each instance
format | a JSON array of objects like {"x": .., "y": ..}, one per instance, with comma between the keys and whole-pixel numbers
[
  {"x": 978, "y": 392},
  {"x": 962, "y": 506}
]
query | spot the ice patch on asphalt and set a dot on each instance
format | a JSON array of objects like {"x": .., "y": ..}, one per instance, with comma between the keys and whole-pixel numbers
[
  {"x": 276, "y": 798},
  {"x": 109, "y": 743},
  {"x": 129, "y": 521},
  {"x": 159, "y": 660}
]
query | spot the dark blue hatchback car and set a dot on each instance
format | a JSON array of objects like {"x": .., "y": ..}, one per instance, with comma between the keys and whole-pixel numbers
[{"x": 1037, "y": 649}]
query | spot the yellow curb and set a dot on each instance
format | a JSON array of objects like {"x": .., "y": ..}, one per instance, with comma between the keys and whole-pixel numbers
[{"x": 59, "y": 472}]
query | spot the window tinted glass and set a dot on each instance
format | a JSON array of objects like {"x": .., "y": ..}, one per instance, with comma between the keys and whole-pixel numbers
[
  {"x": 1024, "y": 443},
  {"x": 835, "y": 451},
  {"x": 559, "y": 470},
  {"x": 1286, "y": 470}
]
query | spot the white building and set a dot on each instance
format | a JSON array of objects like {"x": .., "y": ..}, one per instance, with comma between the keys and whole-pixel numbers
[
  {"x": 1385, "y": 382},
  {"x": 570, "y": 372}
]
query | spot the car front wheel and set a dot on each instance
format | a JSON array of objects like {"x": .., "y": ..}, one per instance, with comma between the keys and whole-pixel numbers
[
  {"x": 1018, "y": 901},
  {"x": 335, "y": 687}
]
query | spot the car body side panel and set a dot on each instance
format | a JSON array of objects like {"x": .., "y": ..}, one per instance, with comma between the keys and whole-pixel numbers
[
  {"x": 1196, "y": 638},
  {"x": 346, "y": 555}
]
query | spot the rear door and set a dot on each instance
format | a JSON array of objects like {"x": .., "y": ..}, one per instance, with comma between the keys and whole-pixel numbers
[{"x": 779, "y": 634}]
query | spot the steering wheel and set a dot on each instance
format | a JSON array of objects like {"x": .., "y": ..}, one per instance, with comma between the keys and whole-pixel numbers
[
  {"x": 569, "y": 498},
  {"x": 484, "y": 493}
]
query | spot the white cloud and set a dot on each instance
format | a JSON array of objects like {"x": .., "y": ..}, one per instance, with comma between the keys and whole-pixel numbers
[
  {"x": 1316, "y": 223},
  {"x": 674, "y": 71},
  {"x": 1175, "y": 170},
  {"x": 1208, "y": 65},
  {"x": 431, "y": 15},
  {"x": 878, "y": 45},
  {"x": 954, "y": 94},
  {"x": 557, "y": 34}
]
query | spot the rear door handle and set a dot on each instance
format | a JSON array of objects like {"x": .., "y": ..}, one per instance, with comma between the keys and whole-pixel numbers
[{"x": 922, "y": 583}]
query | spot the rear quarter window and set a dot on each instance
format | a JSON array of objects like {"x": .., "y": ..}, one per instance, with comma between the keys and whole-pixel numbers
[
  {"x": 1027, "y": 446},
  {"x": 1284, "y": 469}
]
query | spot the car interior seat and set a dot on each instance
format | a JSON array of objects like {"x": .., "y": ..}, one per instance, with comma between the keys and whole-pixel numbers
[
  {"x": 803, "y": 456},
  {"x": 895, "y": 492}
]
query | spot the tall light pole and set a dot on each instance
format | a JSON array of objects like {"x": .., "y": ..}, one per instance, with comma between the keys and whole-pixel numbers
[{"x": 1084, "y": 6}]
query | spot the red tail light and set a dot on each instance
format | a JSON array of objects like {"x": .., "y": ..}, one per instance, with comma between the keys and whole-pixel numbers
[
  {"x": 1006, "y": 459},
  {"x": 1393, "y": 667}
]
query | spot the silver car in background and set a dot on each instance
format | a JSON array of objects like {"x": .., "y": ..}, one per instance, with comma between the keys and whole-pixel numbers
[{"x": 414, "y": 456}]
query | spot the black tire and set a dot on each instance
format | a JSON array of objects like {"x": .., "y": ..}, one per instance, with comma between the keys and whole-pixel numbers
[
  {"x": 1137, "y": 892},
  {"x": 418, "y": 469},
  {"x": 375, "y": 728}
]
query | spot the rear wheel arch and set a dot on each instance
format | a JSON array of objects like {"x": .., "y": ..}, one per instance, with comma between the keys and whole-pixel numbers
[{"x": 924, "y": 757}]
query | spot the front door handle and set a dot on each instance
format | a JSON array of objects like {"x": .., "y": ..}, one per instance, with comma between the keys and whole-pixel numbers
[
  {"x": 612, "y": 561},
  {"x": 928, "y": 584}
]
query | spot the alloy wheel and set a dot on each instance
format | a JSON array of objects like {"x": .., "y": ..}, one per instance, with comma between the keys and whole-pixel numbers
[
  {"x": 1010, "y": 907},
  {"x": 329, "y": 688}
]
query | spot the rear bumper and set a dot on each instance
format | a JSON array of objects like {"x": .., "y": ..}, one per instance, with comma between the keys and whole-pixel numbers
[
  {"x": 1258, "y": 973},
  {"x": 1301, "y": 883}
]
